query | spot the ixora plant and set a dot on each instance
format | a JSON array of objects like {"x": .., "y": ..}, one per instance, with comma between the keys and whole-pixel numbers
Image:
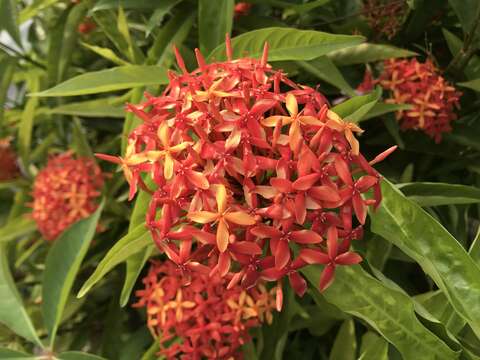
[{"x": 168, "y": 194}]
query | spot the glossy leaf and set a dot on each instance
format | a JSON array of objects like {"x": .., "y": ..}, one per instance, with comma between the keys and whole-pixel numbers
[
  {"x": 390, "y": 312},
  {"x": 356, "y": 108},
  {"x": 365, "y": 53},
  {"x": 455, "y": 44},
  {"x": 12, "y": 312},
  {"x": 214, "y": 21},
  {"x": 441, "y": 256},
  {"x": 130, "y": 244},
  {"x": 345, "y": 344},
  {"x": 324, "y": 69},
  {"x": 286, "y": 44},
  {"x": 435, "y": 194},
  {"x": 61, "y": 267},
  {"x": 105, "y": 108},
  {"x": 126, "y": 4},
  {"x": 34, "y": 8},
  {"x": 373, "y": 347},
  {"x": 117, "y": 78},
  {"x": 131, "y": 121}
]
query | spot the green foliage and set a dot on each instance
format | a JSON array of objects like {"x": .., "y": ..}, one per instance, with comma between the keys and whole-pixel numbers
[{"x": 416, "y": 295}]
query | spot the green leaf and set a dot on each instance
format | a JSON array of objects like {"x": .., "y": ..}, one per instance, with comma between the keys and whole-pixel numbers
[
  {"x": 9, "y": 354},
  {"x": 161, "y": 10},
  {"x": 365, "y": 53},
  {"x": 136, "y": 262},
  {"x": 126, "y": 4},
  {"x": 61, "y": 267},
  {"x": 380, "y": 109},
  {"x": 12, "y": 312},
  {"x": 345, "y": 344},
  {"x": 130, "y": 244},
  {"x": 324, "y": 69},
  {"x": 7, "y": 68},
  {"x": 106, "y": 53},
  {"x": 174, "y": 32},
  {"x": 104, "y": 107},
  {"x": 26, "y": 123},
  {"x": 467, "y": 11},
  {"x": 79, "y": 140},
  {"x": 18, "y": 227},
  {"x": 285, "y": 44},
  {"x": 117, "y": 78},
  {"x": 214, "y": 21},
  {"x": 435, "y": 194},
  {"x": 8, "y": 19},
  {"x": 356, "y": 108},
  {"x": 472, "y": 69},
  {"x": 302, "y": 9},
  {"x": 389, "y": 311},
  {"x": 472, "y": 84},
  {"x": 34, "y": 8},
  {"x": 131, "y": 121},
  {"x": 135, "y": 54},
  {"x": 405, "y": 224},
  {"x": 77, "y": 355},
  {"x": 373, "y": 347}
]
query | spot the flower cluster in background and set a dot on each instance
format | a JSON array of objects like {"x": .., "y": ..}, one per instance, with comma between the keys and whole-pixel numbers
[
  {"x": 420, "y": 85},
  {"x": 251, "y": 168},
  {"x": 385, "y": 17},
  {"x": 197, "y": 317},
  {"x": 65, "y": 191},
  {"x": 8, "y": 161}
]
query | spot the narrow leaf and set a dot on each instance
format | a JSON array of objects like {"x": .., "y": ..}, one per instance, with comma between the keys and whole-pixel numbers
[
  {"x": 373, "y": 347},
  {"x": 61, "y": 268},
  {"x": 130, "y": 244},
  {"x": 18, "y": 227},
  {"x": 356, "y": 108},
  {"x": 435, "y": 194},
  {"x": 365, "y": 53},
  {"x": 117, "y": 78},
  {"x": 214, "y": 21},
  {"x": 345, "y": 344},
  {"x": 104, "y": 108}
]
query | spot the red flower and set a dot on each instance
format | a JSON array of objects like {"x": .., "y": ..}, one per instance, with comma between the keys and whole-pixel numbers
[
  {"x": 8, "y": 161},
  {"x": 210, "y": 320},
  {"x": 432, "y": 98},
  {"x": 241, "y": 157},
  {"x": 65, "y": 191}
]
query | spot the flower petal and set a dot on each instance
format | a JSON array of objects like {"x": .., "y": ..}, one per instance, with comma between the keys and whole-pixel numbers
[
  {"x": 265, "y": 231},
  {"x": 332, "y": 242},
  {"x": 305, "y": 182},
  {"x": 306, "y": 237},
  {"x": 240, "y": 218},
  {"x": 298, "y": 283},
  {"x": 222, "y": 236},
  {"x": 246, "y": 247},
  {"x": 324, "y": 193},
  {"x": 291, "y": 104},
  {"x": 197, "y": 179},
  {"x": 221, "y": 196},
  {"x": 348, "y": 258},
  {"x": 282, "y": 254},
  {"x": 359, "y": 207},
  {"x": 202, "y": 217},
  {"x": 311, "y": 256},
  {"x": 327, "y": 276}
]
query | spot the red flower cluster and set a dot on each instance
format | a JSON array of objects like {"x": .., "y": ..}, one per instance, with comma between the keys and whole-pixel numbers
[
  {"x": 250, "y": 167},
  {"x": 8, "y": 161},
  {"x": 419, "y": 84},
  {"x": 65, "y": 191},
  {"x": 242, "y": 9},
  {"x": 385, "y": 17},
  {"x": 210, "y": 321}
]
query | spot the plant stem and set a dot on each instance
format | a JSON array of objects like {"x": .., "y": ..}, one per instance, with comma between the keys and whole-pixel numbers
[{"x": 27, "y": 58}]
